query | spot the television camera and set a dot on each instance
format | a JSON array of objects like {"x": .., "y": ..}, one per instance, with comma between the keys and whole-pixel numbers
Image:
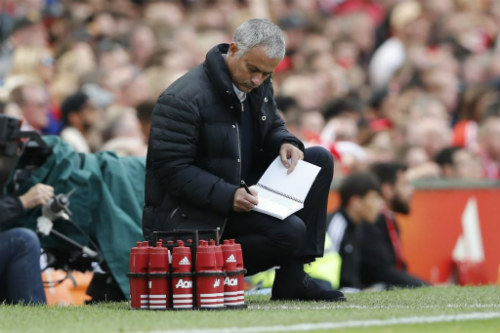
[{"x": 27, "y": 148}]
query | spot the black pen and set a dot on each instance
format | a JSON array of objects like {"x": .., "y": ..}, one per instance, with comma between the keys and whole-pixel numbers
[{"x": 246, "y": 187}]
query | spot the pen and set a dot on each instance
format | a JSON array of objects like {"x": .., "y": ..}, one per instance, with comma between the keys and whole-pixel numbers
[{"x": 246, "y": 187}]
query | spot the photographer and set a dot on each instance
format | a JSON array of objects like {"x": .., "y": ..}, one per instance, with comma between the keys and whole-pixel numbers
[{"x": 20, "y": 278}]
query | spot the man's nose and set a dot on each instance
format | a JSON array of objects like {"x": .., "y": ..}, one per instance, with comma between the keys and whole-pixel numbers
[{"x": 257, "y": 80}]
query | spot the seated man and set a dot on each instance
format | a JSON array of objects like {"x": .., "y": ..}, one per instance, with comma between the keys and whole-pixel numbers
[
  {"x": 360, "y": 202},
  {"x": 218, "y": 125},
  {"x": 20, "y": 276},
  {"x": 381, "y": 253}
]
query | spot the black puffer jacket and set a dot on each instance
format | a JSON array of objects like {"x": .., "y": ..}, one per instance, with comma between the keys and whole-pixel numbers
[{"x": 193, "y": 166}]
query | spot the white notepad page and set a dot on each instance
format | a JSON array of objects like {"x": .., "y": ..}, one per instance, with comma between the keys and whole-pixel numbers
[
  {"x": 276, "y": 187},
  {"x": 297, "y": 184}
]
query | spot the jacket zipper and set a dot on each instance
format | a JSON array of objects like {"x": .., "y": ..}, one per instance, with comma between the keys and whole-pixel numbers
[
  {"x": 173, "y": 212},
  {"x": 239, "y": 143}
]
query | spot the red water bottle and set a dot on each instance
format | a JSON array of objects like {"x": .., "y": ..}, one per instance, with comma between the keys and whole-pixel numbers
[
  {"x": 138, "y": 265},
  {"x": 241, "y": 269},
  {"x": 232, "y": 297},
  {"x": 158, "y": 277},
  {"x": 208, "y": 278},
  {"x": 182, "y": 277},
  {"x": 219, "y": 265}
]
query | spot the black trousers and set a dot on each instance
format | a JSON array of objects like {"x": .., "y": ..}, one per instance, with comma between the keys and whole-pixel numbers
[{"x": 267, "y": 241}]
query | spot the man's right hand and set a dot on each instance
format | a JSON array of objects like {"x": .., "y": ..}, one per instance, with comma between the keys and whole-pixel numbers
[
  {"x": 37, "y": 195},
  {"x": 244, "y": 202}
]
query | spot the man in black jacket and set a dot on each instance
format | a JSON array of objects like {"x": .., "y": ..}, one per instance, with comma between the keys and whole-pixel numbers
[
  {"x": 218, "y": 125},
  {"x": 382, "y": 259}
]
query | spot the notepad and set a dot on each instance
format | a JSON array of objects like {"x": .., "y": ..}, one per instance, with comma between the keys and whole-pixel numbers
[{"x": 282, "y": 194}]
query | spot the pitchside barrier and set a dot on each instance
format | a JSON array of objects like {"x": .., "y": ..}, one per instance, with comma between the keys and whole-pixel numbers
[{"x": 452, "y": 234}]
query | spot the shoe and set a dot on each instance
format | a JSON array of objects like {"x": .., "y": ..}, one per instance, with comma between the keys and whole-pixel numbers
[{"x": 306, "y": 290}]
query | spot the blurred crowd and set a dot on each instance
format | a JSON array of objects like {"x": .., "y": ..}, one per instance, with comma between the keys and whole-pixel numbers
[{"x": 414, "y": 81}]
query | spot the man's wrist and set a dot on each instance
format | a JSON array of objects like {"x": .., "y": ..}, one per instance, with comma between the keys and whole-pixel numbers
[{"x": 293, "y": 143}]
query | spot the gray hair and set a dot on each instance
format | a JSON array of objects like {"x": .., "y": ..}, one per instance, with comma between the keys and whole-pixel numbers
[{"x": 260, "y": 32}]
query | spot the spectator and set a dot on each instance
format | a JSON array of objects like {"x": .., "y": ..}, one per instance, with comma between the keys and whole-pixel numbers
[
  {"x": 408, "y": 28},
  {"x": 489, "y": 145},
  {"x": 79, "y": 116},
  {"x": 27, "y": 30},
  {"x": 33, "y": 101},
  {"x": 122, "y": 132},
  {"x": 142, "y": 44},
  {"x": 458, "y": 163},
  {"x": 382, "y": 260},
  {"x": 33, "y": 61}
]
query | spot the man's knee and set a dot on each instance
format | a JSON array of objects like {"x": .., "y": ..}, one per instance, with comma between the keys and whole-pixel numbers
[
  {"x": 293, "y": 236},
  {"x": 321, "y": 157},
  {"x": 25, "y": 240}
]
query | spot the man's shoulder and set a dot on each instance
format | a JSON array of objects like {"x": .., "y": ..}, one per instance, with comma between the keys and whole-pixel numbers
[
  {"x": 338, "y": 217},
  {"x": 194, "y": 89},
  {"x": 336, "y": 228},
  {"x": 187, "y": 83}
]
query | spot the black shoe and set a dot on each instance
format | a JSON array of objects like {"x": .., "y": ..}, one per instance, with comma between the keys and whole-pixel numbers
[{"x": 306, "y": 290}]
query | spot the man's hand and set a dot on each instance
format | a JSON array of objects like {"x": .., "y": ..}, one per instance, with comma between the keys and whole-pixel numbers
[
  {"x": 289, "y": 151},
  {"x": 244, "y": 202},
  {"x": 37, "y": 195}
]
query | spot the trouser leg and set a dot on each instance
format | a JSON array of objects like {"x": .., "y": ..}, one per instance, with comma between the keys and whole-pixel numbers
[
  {"x": 20, "y": 267},
  {"x": 266, "y": 241},
  {"x": 314, "y": 212}
]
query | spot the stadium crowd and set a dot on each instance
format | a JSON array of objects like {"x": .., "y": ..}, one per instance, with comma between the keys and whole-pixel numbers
[{"x": 372, "y": 81}]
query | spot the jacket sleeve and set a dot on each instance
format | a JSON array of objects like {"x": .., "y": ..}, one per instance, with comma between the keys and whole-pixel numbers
[
  {"x": 173, "y": 145},
  {"x": 11, "y": 208}
]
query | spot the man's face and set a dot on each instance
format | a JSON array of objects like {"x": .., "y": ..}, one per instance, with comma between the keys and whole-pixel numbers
[
  {"x": 403, "y": 191},
  {"x": 89, "y": 116},
  {"x": 370, "y": 206},
  {"x": 490, "y": 137},
  {"x": 465, "y": 165},
  {"x": 35, "y": 109},
  {"x": 249, "y": 71}
]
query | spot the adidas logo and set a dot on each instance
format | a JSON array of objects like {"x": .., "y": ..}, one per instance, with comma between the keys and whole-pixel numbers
[
  {"x": 184, "y": 261},
  {"x": 231, "y": 258}
]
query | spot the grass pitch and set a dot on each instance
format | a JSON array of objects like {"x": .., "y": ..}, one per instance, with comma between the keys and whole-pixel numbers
[{"x": 432, "y": 309}]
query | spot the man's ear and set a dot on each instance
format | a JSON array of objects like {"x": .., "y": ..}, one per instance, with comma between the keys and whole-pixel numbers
[
  {"x": 233, "y": 48},
  {"x": 387, "y": 191}
]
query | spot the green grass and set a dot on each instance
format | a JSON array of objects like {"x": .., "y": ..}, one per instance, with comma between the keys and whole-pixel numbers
[{"x": 424, "y": 302}]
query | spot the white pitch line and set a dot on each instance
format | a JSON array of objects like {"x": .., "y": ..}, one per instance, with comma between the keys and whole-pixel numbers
[
  {"x": 345, "y": 324},
  {"x": 371, "y": 307}
]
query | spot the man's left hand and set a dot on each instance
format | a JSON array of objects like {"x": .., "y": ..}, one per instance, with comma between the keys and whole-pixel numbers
[
  {"x": 292, "y": 153},
  {"x": 37, "y": 195}
]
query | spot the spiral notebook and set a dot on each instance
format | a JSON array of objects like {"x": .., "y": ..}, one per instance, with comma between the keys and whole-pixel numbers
[{"x": 281, "y": 195}]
